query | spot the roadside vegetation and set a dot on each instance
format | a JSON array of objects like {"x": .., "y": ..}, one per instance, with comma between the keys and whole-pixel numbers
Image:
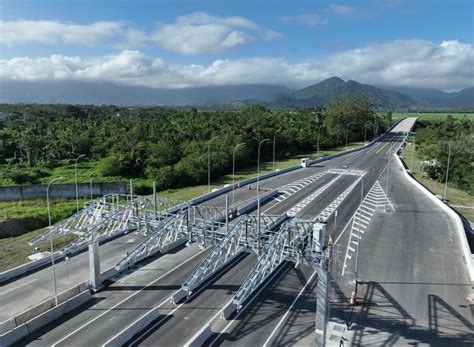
[
  {"x": 168, "y": 146},
  {"x": 433, "y": 140}
]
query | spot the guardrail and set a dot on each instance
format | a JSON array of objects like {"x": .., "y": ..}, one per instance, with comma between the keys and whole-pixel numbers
[{"x": 449, "y": 211}]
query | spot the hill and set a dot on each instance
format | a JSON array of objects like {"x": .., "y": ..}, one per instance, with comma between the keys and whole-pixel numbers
[
  {"x": 435, "y": 98},
  {"x": 230, "y": 96},
  {"x": 99, "y": 93},
  {"x": 324, "y": 91}
]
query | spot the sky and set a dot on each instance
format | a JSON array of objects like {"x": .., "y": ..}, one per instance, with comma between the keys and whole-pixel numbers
[{"x": 174, "y": 44}]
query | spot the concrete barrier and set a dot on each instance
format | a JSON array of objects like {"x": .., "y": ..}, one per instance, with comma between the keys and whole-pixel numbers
[
  {"x": 200, "y": 337},
  {"x": 14, "y": 335},
  {"x": 7, "y": 325},
  {"x": 450, "y": 212},
  {"x": 229, "y": 310},
  {"x": 36, "y": 264},
  {"x": 24, "y": 268},
  {"x": 253, "y": 205},
  {"x": 58, "y": 311},
  {"x": 108, "y": 274},
  {"x": 30, "y": 326},
  {"x": 178, "y": 296},
  {"x": 125, "y": 335}
]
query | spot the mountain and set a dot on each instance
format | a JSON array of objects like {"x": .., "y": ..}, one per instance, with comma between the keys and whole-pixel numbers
[
  {"x": 324, "y": 91},
  {"x": 74, "y": 92},
  {"x": 437, "y": 99}
]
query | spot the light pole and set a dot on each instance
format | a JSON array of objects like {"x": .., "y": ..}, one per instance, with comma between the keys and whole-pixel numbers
[
  {"x": 258, "y": 162},
  {"x": 388, "y": 177},
  {"x": 75, "y": 179},
  {"x": 358, "y": 235},
  {"x": 317, "y": 142},
  {"x": 233, "y": 170},
  {"x": 51, "y": 240},
  {"x": 413, "y": 151},
  {"x": 347, "y": 131},
  {"x": 274, "y": 138},
  {"x": 447, "y": 171},
  {"x": 365, "y": 130},
  {"x": 209, "y": 163}
]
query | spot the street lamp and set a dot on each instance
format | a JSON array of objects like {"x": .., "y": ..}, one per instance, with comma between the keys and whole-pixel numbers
[
  {"x": 365, "y": 130},
  {"x": 75, "y": 179},
  {"x": 447, "y": 171},
  {"x": 358, "y": 235},
  {"x": 51, "y": 239},
  {"x": 317, "y": 142},
  {"x": 233, "y": 170},
  {"x": 274, "y": 138},
  {"x": 347, "y": 131},
  {"x": 388, "y": 177},
  {"x": 258, "y": 163},
  {"x": 209, "y": 163}
]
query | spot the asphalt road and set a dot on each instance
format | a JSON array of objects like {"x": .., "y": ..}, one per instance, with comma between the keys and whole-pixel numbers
[
  {"x": 404, "y": 261},
  {"x": 21, "y": 294},
  {"x": 415, "y": 292},
  {"x": 122, "y": 302}
]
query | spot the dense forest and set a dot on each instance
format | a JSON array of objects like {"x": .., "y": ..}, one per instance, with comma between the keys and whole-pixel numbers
[
  {"x": 171, "y": 145},
  {"x": 435, "y": 139}
]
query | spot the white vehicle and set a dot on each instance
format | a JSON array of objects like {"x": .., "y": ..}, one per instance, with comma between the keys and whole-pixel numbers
[{"x": 305, "y": 162}]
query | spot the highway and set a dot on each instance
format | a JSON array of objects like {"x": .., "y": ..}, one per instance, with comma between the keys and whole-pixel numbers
[
  {"x": 409, "y": 248},
  {"x": 35, "y": 287}
]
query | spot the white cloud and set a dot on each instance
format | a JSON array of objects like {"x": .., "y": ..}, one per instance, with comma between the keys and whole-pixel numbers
[
  {"x": 197, "y": 33},
  {"x": 413, "y": 63},
  {"x": 344, "y": 10},
  {"x": 309, "y": 19},
  {"x": 52, "y": 32},
  {"x": 200, "y": 33}
]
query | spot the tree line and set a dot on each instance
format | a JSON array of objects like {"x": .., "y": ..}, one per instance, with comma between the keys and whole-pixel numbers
[
  {"x": 453, "y": 138},
  {"x": 170, "y": 145}
]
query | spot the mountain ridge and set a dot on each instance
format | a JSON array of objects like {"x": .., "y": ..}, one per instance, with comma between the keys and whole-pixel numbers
[{"x": 81, "y": 92}]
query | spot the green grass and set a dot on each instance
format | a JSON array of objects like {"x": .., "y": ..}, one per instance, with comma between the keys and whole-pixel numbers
[
  {"x": 37, "y": 208},
  {"x": 455, "y": 196},
  {"x": 189, "y": 193},
  {"x": 433, "y": 115},
  {"x": 14, "y": 250}
]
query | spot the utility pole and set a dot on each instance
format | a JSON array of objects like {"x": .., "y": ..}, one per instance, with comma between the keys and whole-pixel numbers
[
  {"x": 209, "y": 163},
  {"x": 413, "y": 151},
  {"x": 388, "y": 177},
  {"x": 365, "y": 131},
  {"x": 447, "y": 171},
  {"x": 274, "y": 138},
  {"x": 347, "y": 132},
  {"x": 51, "y": 241},
  {"x": 75, "y": 179},
  {"x": 258, "y": 163},
  {"x": 233, "y": 171}
]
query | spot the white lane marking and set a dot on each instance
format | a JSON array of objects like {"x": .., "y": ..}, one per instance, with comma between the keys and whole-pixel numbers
[
  {"x": 288, "y": 311},
  {"x": 168, "y": 314},
  {"x": 243, "y": 309},
  {"x": 127, "y": 298},
  {"x": 212, "y": 319}
]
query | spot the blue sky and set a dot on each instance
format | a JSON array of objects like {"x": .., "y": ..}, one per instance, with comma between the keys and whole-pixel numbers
[{"x": 425, "y": 43}]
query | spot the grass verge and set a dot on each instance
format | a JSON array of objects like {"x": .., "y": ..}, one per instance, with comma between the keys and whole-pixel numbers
[{"x": 455, "y": 197}]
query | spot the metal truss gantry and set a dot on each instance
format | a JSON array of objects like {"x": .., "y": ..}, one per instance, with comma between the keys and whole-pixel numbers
[
  {"x": 247, "y": 233},
  {"x": 293, "y": 241}
]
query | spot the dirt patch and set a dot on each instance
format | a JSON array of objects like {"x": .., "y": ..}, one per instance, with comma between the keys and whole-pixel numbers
[{"x": 20, "y": 226}]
